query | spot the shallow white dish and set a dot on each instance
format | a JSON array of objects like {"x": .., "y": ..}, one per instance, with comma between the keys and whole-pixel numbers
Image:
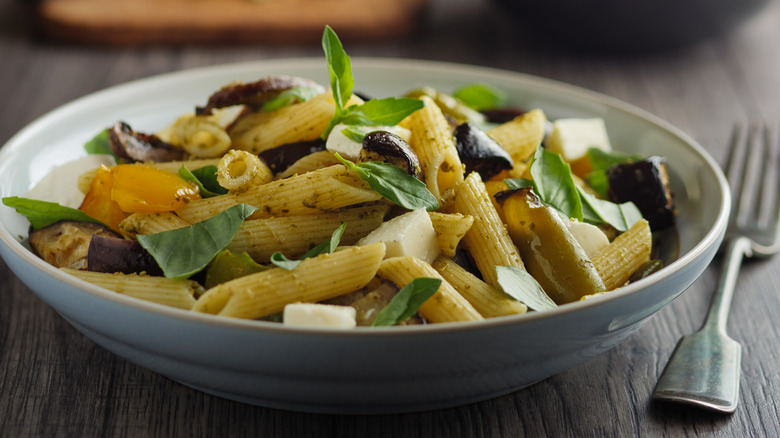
[{"x": 367, "y": 370}]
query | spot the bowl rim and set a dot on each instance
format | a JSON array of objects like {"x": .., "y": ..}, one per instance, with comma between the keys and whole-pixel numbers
[{"x": 711, "y": 237}]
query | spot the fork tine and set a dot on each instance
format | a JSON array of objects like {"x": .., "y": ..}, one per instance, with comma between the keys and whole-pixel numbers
[
  {"x": 767, "y": 187},
  {"x": 742, "y": 149}
]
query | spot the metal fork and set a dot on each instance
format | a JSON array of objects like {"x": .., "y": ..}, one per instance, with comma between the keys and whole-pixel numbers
[{"x": 704, "y": 368}]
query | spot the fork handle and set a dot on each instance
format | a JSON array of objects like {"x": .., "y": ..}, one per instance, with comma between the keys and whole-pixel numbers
[{"x": 717, "y": 316}]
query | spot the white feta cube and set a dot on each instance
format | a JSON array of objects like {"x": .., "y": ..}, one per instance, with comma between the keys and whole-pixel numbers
[
  {"x": 410, "y": 234},
  {"x": 573, "y": 137},
  {"x": 319, "y": 315}
]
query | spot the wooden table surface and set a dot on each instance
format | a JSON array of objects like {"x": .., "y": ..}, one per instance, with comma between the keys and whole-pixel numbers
[{"x": 56, "y": 382}]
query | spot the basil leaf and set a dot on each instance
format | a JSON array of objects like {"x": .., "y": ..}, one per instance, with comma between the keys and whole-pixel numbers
[
  {"x": 354, "y": 134},
  {"x": 185, "y": 251},
  {"x": 206, "y": 180},
  {"x": 518, "y": 183},
  {"x": 520, "y": 285},
  {"x": 480, "y": 96},
  {"x": 388, "y": 111},
  {"x": 554, "y": 184},
  {"x": 407, "y": 301},
  {"x": 289, "y": 97},
  {"x": 328, "y": 247},
  {"x": 339, "y": 72},
  {"x": 99, "y": 144},
  {"x": 394, "y": 184},
  {"x": 598, "y": 211},
  {"x": 44, "y": 213},
  {"x": 228, "y": 266}
]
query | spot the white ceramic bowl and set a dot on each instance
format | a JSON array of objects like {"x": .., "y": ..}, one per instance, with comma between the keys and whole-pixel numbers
[{"x": 367, "y": 370}]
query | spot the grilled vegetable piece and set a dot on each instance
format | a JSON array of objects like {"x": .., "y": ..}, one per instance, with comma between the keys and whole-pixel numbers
[
  {"x": 111, "y": 254},
  {"x": 65, "y": 244},
  {"x": 646, "y": 184},
  {"x": 133, "y": 146},
  {"x": 450, "y": 106},
  {"x": 281, "y": 157},
  {"x": 550, "y": 253},
  {"x": 390, "y": 148},
  {"x": 480, "y": 153},
  {"x": 254, "y": 94}
]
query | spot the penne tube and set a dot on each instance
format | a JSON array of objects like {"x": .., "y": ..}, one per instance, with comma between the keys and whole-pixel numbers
[
  {"x": 434, "y": 145},
  {"x": 446, "y": 305},
  {"x": 309, "y": 163},
  {"x": 294, "y": 235},
  {"x": 200, "y": 136},
  {"x": 174, "y": 166},
  {"x": 239, "y": 170},
  {"x": 521, "y": 136},
  {"x": 175, "y": 293},
  {"x": 487, "y": 240},
  {"x": 150, "y": 223},
  {"x": 322, "y": 190},
  {"x": 489, "y": 301},
  {"x": 617, "y": 261},
  {"x": 314, "y": 279},
  {"x": 450, "y": 229}
]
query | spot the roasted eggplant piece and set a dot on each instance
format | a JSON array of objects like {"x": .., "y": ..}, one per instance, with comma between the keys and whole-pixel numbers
[
  {"x": 65, "y": 244},
  {"x": 550, "y": 253},
  {"x": 281, "y": 157},
  {"x": 646, "y": 184},
  {"x": 502, "y": 115},
  {"x": 111, "y": 254},
  {"x": 133, "y": 146},
  {"x": 389, "y": 148},
  {"x": 480, "y": 153},
  {"x": 254, "y": 94}
]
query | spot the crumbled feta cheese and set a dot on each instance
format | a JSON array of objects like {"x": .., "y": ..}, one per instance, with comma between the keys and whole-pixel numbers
[
  {"x": 410, "y": 234},
  {"x": 573, "y": 137},
  {"x": 319, "y": 315}
]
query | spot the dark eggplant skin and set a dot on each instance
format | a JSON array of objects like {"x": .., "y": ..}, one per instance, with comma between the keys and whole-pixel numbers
[
  {"x": 111, "y": 255},
  {"x": 65, "y": 244},
  {"x": 387, "y": 147},
  {"x": 132, "y": 147},
  {"x": 254, "y": 94},
  {"x": 281, "y": 157},
  {"x": 502, "y": 115},
  {"x": 646, "y": 184},
  {"x": 480, "y": 153}
]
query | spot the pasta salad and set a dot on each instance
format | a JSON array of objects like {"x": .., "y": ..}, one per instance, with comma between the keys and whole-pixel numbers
[{"x": 286, "y": 200}]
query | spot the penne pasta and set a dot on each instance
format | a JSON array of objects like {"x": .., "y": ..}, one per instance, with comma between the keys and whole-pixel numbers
[
  {"x": 617, "y": 261},
  {"x": 175, "y": 293},
  {"x": 322, "y": 190},
  {"x": 487, "y": 300},
  {"x": 150, "y": 223},
  {"x": 434, "y": 144},
  {"x": 200, "y": 136},
  {"x": 487, "y": 240},
  {"x": 239, "y": 170},
  {"x": 520, "y": 137},
  {"x": 446, "y": 305},
  {"x": 450, "y": 229},
  {"x": 309, "y": 163},
  {"x": 315, "y": 279},
  {"x": 294, "y": 235}
]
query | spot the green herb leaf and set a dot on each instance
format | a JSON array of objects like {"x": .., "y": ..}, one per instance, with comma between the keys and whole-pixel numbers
[
  {"x": 206, "y": 180},
  {"x": 289, "y": 97},
  {"x": 100, "y": 144},
  {"x": 600, "y": 161},
  {"x": 339, "y": 72},
  {"x": 554, "y": 184},
  {"x": 394, "y": 184},
  {"x": 518, "y": 183},
  {"x": 520, "y": 285},
  {"x": 354, "y": 134},
  {"x": 388, "y": 111},
  {"x": 328, "y": 247},
  {"x": 407, "y": 301},
  {"x": 598, "y": 211},
  {"x": 480, "y": 96},
  {"x": 185, "y": 251},
  {"x": 228, "y": 266},
  {"x": 43, "y": 213}
]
